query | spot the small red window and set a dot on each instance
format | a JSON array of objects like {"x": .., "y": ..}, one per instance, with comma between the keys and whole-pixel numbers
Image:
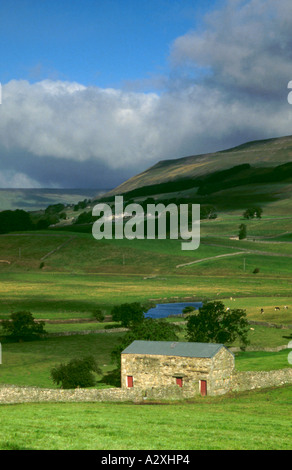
[
  {"x": 179, "y": 381},
  {"x": 130, "y": 381}
]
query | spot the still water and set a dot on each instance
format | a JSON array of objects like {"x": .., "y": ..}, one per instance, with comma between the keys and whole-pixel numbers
[{"x": 166, "y": 310}]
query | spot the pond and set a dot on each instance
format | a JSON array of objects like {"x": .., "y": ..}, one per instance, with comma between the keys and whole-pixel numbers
[{"x": 167, "y": 310}]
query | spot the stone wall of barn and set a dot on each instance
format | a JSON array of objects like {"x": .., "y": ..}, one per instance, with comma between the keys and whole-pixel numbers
[
  {"x": 160, "y": 371},
  {"x": 221, "y": 372}
]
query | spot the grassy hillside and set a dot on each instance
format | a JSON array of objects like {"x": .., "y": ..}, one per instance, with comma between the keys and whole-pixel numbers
[
  {"x": 67, "y": 275},
  {"x": 259, "y": 154}
]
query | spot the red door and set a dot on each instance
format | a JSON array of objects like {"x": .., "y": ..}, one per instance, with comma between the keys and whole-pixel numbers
[
  {"x": 203, "y": 387},
  {"x": 179, "y": 381},
  {"x": 130, "y": 381}
]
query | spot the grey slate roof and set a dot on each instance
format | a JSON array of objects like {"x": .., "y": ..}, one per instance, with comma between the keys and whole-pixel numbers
[{"x": 172, "y": 348}]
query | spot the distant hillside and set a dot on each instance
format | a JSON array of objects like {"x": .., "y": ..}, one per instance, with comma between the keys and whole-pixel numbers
[
  {"x": 39, "y": 198},
  {"x": 252, "y": 162}
]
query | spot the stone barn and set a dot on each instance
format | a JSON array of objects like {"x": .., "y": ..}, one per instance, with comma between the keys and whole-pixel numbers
[{"x": 204, "y": 368}]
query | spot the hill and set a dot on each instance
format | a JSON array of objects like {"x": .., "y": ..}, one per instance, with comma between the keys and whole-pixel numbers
[{"x": 262, "y": 169}]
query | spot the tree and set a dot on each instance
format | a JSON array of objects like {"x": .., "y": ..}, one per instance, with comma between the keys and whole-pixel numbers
[
  {"x": 147, "y": 330},
  {"x": 208, "y": 212},
  {"x": 54, "y": 208},
  {"x": 23, "y": 327},
  {"x": 150, "y": 330},
  {"x": 44, "y": 222},
  {"x": 85, "y": 218},
  {"x": 253, "y": 212},
  {"x": 128, "y": 314},
  {"x": 76, "y": 373},
  {"x": 98, "y": 315},
  {"x": 213, "y": 324},
  {"x": 242, "y": 232}
]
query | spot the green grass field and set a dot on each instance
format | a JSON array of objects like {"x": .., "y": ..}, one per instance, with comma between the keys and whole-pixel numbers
[
  {"x": 257, "y": 420},
  {"x": 84, "y": 275}
]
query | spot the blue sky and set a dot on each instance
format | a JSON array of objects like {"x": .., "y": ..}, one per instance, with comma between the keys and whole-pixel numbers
[
  {"x": 94, "y": 92},
  {"x": 103, "y": 43}
]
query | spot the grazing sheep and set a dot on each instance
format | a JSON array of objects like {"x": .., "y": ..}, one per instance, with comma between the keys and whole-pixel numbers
[
  {"x": 277, "y": 308},
  {"x": 227, "y": 310},
  {"x": 252, "y": 329},
  {"x": 262, "y": 310},
  {"x": 286, "y": 306}
]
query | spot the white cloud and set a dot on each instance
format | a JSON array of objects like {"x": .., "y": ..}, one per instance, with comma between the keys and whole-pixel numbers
[
  {"x": 246, "y": 48},
  {"x": 11, "y": 179},
  {"x": 68, "y": 120},
  {"x": 245, "y": 45}
]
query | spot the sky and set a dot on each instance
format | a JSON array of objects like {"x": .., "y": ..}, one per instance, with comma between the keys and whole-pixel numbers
[{"x": 94, "y": 92}]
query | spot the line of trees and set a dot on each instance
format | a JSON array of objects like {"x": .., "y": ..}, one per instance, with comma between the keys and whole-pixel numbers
[{"x": 11, "y": 221}]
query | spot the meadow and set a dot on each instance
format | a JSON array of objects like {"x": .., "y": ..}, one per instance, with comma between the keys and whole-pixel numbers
[
  {"x": 66, "y": 275},
  {"x": 40, "y": 273},
  {"x": 257, "y": 420}
]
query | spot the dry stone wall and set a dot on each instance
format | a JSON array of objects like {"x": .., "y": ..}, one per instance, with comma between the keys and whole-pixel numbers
[
  {"x": 239, "y": 381},
  {"x": 12, "y": 394}
]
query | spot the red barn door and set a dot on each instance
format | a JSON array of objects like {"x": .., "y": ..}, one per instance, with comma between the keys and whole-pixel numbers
[
  {"x": 129, "y": 381},
  {"x": 203, "y": 387},
  {"x": 179, "y": 381}
]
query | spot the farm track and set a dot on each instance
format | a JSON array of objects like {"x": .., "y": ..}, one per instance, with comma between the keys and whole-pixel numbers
[
  {"x": 212, "y": 257},
  {"x": 243, "y": 251}
]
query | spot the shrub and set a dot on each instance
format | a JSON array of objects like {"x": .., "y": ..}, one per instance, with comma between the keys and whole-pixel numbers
[
  {"x": 23, "y": 327},
  {"x": 98, "y": 315},
  {"x": 76, "y": 373},
  {"x": 242, "y": 232},
  {"x": 128, "y": 314}
]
